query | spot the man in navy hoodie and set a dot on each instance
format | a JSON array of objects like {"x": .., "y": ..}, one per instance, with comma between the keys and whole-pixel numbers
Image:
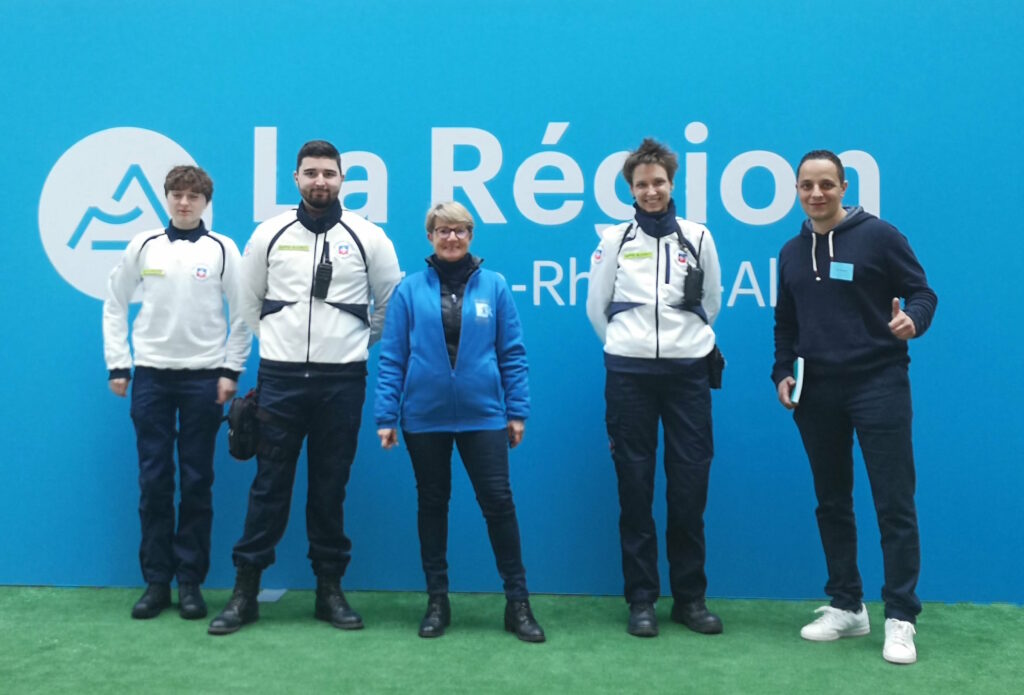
[{"x": 840, "y": 284}]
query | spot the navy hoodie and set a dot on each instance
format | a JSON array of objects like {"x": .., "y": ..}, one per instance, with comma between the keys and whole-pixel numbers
[{"x": 842, "y": 326}]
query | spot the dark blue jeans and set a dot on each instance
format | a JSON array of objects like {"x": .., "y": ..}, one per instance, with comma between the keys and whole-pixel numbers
[
  {"x": 877, "y": 406},
  {"x": 162, "y": 401},
  {"x": 682, "y": 402},
  {"x": 485, "y": 455},
  {"x": 327, "y": 409}
]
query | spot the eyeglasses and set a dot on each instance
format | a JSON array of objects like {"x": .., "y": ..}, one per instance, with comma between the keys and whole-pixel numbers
[{"x": 444, "y": 232}]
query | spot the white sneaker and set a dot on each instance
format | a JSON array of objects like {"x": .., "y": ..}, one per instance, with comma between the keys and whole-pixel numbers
[
  {"x": 835, "y": 623},
  {"x": 899, "y": 642}
]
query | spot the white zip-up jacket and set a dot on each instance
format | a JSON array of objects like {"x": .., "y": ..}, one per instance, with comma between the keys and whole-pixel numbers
[
  {"x": 181, "y": 324},
  {"x": 636, "y": 293},
  {"x": 278, "y": 269}
]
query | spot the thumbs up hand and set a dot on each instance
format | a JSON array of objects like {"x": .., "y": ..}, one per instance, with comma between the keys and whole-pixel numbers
[{"x": 901, "y": 326}]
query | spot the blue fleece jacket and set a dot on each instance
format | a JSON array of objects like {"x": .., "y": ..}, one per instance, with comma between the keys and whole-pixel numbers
[
  {"x": 487, "y": 387},
  {"x": 840, "y": 326}
]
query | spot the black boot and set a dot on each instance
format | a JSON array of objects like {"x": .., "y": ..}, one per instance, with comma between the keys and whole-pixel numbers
[
  {"x": 156, "y": 597},
  {"x": 191, "y": 605},
  {"x": 332, "y": 606},
  {"x": 438, "y": 616},
  {"x": 242, "y": 607},
  {"x": 519, "y": 619},
  {"x": 696, "y": 616},
  {"x": 643, "y": 621}
]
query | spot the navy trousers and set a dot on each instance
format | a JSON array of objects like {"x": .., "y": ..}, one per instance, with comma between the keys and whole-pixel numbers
[
  {"x": 162, "y": 402},
  {"x": 682, "y": 402},
  {"x": 485, "y": 455},
  {"x": 326, "y": 408},
  {"x": 877, "y": 406}
]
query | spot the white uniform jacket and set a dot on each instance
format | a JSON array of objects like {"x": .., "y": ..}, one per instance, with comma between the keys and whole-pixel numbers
[
  {"x": 636, "y": 293},
  {"x": 181, "y": 324},
  {"x": 278, "y": 268}
]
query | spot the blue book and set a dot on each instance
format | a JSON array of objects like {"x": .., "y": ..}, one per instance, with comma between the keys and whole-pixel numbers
[{"x": 798, "y": 374}]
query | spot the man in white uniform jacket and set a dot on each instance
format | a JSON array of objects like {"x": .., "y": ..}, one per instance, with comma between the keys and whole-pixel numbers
[{"x": 311, "y": 277}]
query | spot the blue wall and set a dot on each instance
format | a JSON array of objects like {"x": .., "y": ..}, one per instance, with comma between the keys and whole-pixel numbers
[{"x": 923, "y": 89}]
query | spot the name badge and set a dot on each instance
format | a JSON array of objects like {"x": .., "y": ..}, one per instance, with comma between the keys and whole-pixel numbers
[{"x": 841, "y": 271}]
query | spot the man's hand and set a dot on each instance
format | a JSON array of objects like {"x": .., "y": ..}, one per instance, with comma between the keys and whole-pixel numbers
[
  {"x": 901, "y": 326},
  {"x": 785, "y": 388},
  {"x": 119, "y": 387},
  {"x": 226, "y": 390},
  {"x": 388, "y": 437},
  {"x": 516, "y": 428}
]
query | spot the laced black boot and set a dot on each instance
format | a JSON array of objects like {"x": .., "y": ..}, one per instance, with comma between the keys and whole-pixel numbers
[
  {"x": 519, "y": 619},
  {"x": 242, "y": 607},
  {"x": 332, "y": 607},
  {"x": 437, "y": 617}
]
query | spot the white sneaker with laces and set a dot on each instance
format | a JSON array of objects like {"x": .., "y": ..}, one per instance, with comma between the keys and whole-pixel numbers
[
  {"x": 835, "y": 623},
  {"x": 899, "y": 642}
]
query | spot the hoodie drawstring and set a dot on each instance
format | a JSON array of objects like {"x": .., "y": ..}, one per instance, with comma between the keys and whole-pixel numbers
[{"x": 814, "y": 250}]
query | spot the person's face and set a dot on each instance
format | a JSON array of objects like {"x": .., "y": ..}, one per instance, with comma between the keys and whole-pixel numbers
[
  {"x": 447, "y": 244},
  {"x": 186, "y": 208},
  {"x": 651, "y": 188},
  {"x": 319, "y": 181},
  {"x": 821, "y": 193}
]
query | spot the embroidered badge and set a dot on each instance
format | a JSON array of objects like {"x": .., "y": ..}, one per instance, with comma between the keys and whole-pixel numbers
[{"x": 637, "y": 255}]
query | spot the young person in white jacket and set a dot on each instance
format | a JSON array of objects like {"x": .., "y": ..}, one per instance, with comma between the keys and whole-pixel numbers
[
  {"x": 654, "y": 294},
  {"x": 186, "y": 367}
]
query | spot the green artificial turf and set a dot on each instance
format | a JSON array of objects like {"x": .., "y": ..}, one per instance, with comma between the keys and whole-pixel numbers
[{"x": 83, "y": 641}]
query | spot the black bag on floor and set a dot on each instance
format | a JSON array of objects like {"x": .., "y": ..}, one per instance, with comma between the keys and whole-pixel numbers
[{"x": 243, "y": 426}]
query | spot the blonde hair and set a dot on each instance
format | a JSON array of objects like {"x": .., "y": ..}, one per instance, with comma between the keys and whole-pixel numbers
[{"x": 450, "y": 212}]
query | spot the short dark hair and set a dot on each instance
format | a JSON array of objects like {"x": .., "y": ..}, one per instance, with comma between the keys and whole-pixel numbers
[
  {"x": 189, "y": 177},
  {"x": 318, "y": 148},
  {"x": 824, "y": 154},
  {"x": 651, "y": 152}
]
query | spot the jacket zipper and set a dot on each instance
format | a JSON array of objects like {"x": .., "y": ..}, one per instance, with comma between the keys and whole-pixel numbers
[
  {"x": 657, "y": 329},
  {"x": 309, "y": 322},
  {"x": 461, "y": 308}
]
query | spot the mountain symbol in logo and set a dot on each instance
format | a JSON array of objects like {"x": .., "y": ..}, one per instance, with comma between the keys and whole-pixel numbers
[{"x": 133, "y": 174}]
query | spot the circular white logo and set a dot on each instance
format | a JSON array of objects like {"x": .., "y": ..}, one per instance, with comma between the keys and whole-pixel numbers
[{"x": 104, "y": 190}]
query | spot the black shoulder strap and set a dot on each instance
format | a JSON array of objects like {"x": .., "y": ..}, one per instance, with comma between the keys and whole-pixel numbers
[
  {"x": 223, "y": 254},
  {"x": 683, "y": 241},
  {"x": 625, "y": 238},
  {"x": 622, "y": 242},
  {"x": 273, "y": 239}
]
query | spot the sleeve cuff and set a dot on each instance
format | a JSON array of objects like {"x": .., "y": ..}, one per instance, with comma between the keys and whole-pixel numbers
[
  {"x": 230, "y": 374},
  {"x": 120, "y": 374}
]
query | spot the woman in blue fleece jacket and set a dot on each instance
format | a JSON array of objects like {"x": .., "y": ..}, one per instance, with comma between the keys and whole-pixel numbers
[{"x": 453, "y": 371}]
